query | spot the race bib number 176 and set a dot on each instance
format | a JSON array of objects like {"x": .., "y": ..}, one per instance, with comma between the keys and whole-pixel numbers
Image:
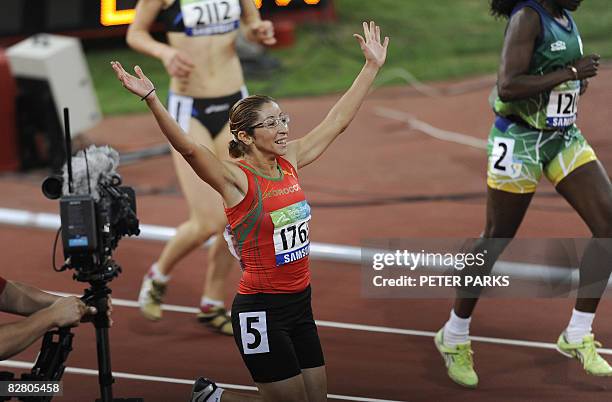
[{"x": 291, "y": 233}]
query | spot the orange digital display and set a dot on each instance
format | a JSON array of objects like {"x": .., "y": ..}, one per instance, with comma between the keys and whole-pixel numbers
[
  {"x": 109, "y": 15},
  {"x": 106, "y": 18},
  {"x": 285, "y": 3}
]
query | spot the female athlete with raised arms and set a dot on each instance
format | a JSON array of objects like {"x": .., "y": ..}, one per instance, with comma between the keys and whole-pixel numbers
[{"x": 274, "y": 328}]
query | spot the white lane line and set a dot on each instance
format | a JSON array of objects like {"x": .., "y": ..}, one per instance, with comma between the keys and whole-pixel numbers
[
  {"x": 429, "y": 334},
  {"x": 362, "y": 327},
  {"x": 130, "y": 376},
  {"x": 428, "y": 129}
]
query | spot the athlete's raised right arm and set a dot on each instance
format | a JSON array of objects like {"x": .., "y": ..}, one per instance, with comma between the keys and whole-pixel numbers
[
  {"x": 225, "y": 177},
  {"x": 513, "y": 80},
  {"x": 177, "y": 63},
  {"x": 307, "y": 149}
]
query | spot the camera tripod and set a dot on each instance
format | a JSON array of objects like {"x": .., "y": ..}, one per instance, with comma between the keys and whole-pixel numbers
[
  {"x": 57, "y": 344},
  {"x": 97, "y": 296}
]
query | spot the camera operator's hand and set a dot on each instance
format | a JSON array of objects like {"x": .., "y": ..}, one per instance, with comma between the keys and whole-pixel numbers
[
  {"x": 140, "y": 86},
  {"x": 68, "y": 311},
  {"x": 109, "y": 310}
]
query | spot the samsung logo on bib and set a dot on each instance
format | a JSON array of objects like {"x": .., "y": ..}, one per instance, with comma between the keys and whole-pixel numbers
[
  {"x": 296, "y": 255},
  {"x": 558, "y": 46}
]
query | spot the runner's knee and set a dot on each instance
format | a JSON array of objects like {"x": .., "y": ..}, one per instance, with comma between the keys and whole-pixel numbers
[{"x": 201, "y": 231}]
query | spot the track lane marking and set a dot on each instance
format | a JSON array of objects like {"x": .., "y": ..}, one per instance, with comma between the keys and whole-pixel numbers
[
  {"x": 361, "y": 327},
  {"x": 141, "y": 377}
]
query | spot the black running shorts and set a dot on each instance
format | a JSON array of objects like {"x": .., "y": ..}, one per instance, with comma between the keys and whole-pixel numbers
[{"x": 276, "y": 334}]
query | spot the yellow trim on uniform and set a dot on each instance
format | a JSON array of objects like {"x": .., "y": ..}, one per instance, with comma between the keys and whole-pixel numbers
[
  {"x": 568, "y": 160},
  {"x": 511, "y": 187}
]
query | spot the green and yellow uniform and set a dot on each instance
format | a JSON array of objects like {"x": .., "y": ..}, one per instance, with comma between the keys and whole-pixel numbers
[{"x": 538, "y": 134}]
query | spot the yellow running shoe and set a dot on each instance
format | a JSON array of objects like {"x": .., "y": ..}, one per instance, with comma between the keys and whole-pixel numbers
[
  {"x": 217, "y": 319},
  {"x": 151, "y": 297},
  {"x": 458, "y": 360},
  {"x": 586, "y": 352}
]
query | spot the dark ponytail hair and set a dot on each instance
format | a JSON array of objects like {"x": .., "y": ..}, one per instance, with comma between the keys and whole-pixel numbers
[
  {"x": 237, "y": 148},
  {"x": 502, "y": 8},
  {"x": 243, "y": 116}
]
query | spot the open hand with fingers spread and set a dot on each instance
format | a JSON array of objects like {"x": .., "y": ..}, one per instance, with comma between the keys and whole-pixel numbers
[
  {"x": 140, "y": 85},
  {"x": 373, "y": 50}
]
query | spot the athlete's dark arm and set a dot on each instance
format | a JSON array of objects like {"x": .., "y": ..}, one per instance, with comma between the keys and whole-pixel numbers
[{"x": 513, "y": 82}]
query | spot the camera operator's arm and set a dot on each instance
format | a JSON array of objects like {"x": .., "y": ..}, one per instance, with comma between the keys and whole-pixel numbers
[
  {"x": 16, "y": 336},
  {"x": 22, "y": 299},
  {"x": 226, "y": 178}
]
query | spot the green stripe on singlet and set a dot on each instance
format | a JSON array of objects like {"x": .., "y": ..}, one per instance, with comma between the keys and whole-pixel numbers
[
  {"x": 255, "y": 172},
  {"x": 242, "y": 232}
]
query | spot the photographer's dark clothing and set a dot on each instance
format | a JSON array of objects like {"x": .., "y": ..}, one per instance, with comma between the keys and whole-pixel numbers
[
  {"x": 276, "y": 334},
  {"x": 2, "y": 284}
]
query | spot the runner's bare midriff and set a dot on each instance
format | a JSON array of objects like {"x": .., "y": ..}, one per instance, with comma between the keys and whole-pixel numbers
[{"x": 217, "y": 70}]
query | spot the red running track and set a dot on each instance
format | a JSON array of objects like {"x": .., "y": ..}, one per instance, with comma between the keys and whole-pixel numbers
[{"x": 376, "y": 159}]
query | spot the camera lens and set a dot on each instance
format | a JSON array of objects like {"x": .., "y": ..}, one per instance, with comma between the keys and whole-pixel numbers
[{"x": 52, "y": 187}]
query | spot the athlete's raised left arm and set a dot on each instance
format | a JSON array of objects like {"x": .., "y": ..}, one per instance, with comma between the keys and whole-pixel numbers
[
  {"x": 308, "y": 148},
  {"x": 256, "y": 29},
  {"x": 226, "y": 178}
]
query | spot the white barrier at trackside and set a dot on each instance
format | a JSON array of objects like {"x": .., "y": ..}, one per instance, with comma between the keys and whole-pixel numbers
[
  {"x": 42, "y": 220},
  {"x": 318, "y": 251}
]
